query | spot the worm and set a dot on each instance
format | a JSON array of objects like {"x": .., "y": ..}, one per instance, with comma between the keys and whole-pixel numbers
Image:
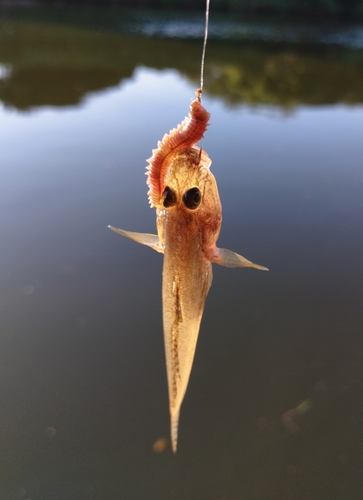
[{"x": 185, "y": 135}]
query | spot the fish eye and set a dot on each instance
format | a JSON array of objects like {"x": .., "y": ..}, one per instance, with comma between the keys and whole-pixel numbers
[
  {"x": 192, "y": 198},
  {"x": 169, "y": 197}
]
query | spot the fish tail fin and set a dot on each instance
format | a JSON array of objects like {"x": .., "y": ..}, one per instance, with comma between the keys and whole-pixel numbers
[{"x": 174, "y": 422}]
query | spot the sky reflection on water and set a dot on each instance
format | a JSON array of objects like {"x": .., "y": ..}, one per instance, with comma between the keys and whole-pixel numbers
[{"x": 82, "y": 362}]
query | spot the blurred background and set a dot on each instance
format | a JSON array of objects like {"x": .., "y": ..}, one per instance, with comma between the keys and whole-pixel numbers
[{"x": 274, "y": 404}]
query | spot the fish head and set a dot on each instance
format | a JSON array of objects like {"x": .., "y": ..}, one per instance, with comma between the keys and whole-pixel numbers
[{"x": 191, "y": 198}]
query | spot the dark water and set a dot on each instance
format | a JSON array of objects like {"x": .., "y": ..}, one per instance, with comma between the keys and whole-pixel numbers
[{"x": 82, "y": 370}]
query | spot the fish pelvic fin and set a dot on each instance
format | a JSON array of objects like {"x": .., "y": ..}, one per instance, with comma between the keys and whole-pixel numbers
[
  {"x": 150, "y": 240},
  {"x": 227, "y": 258}
]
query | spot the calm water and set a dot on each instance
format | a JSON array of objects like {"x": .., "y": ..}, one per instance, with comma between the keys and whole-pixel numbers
[{"x": 84, "y": 99}]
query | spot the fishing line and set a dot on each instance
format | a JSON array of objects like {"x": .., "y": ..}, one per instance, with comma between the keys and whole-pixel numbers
[{"x": 204, "y": 46}]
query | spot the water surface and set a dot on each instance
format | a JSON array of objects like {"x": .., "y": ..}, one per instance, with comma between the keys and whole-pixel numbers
[{"x": 83, "y": 382}]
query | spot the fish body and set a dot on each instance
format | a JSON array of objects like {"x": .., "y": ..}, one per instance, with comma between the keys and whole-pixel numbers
[{"x": 188, "y": 218}]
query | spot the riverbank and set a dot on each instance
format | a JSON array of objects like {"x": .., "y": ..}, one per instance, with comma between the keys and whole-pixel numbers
[{"x": 287, "y": 9}]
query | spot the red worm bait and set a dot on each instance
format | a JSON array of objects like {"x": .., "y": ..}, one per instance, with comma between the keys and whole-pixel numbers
[{"x": 185, "y": 135}]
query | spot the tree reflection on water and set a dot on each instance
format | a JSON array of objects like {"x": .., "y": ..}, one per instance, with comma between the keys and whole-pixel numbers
[{"x": 50, "y": 63}]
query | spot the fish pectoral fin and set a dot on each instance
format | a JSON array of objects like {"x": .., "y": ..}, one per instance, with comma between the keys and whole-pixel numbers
[
  {"x": 227, "y": 258},
  {"x": 150, "y": 240}
]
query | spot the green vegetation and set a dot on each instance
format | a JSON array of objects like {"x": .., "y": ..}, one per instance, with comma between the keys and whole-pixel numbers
[
  {"x": 343, "y": 8},
  {"x": 302, "y": 8},
  {"x": 285, "y": 77},
  {"x": 58, "y": 64}
]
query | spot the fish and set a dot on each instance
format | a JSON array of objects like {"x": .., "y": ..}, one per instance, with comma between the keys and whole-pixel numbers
[{"x": 185, "y": 195}]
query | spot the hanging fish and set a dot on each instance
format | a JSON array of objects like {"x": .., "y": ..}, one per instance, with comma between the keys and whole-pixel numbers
[{"x": 188, "y": 218}]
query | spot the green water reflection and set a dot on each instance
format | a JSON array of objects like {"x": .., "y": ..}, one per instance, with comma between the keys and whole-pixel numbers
[{"x": 58, "y": 64}]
